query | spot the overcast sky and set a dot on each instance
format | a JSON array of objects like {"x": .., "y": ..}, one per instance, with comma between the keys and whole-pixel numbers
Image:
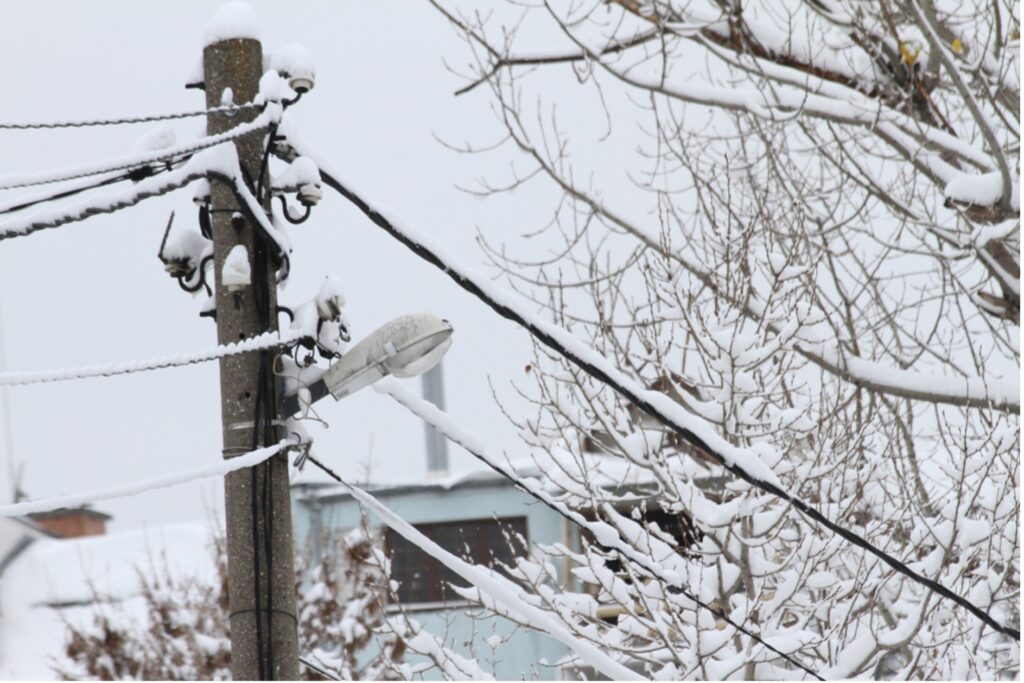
[{"x": 94, "y": 292}]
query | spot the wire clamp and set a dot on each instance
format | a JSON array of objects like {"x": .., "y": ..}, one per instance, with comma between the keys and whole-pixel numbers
[{"x": 302, "y": 450}]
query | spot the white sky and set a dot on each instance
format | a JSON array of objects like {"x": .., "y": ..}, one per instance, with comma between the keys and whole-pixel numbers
[{"x": 94, "y": 292}]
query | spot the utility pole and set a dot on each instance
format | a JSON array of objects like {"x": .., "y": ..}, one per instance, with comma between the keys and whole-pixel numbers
[{"x": 261, "y": 575}]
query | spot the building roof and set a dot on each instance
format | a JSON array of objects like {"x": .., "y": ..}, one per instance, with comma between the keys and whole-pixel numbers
[
  {"x": 453, "y": 482},
  {"x": 64, "y": 512}
]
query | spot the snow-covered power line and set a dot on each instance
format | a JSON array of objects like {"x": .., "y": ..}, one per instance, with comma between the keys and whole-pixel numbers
[
  {"x": 220, "y": 163},
  {"x": 604, "y": 533},
  {"x": 504, "y": 594},
  {"x": 741, "y": 462},
  {"x": 109, "y": 202},
  {"x": 85, "y": 123},
  {"x": 214, "y": 469},
  {"x": 267, "y": 117},
  {"x": 267, "y": 340}
]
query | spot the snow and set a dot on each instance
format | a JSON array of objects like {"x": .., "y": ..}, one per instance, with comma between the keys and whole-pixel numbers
[
  {"x": 302, "y": 171},
  {"x": 293, "y": 60},
  {"x": 273, "y": 88},
  {"x": 454, "y": 666},
  {"x": 1002, "y": 392},
  {"x": 214, "y": 469},
  {"x": 234, "y": 19},
  {"x": 188, "y": 245},
  {"x": 980, "y": 190},
  {"x": 236, "y": 272},
  {"x": 266, "y": 340},
  {"x": 161, "y": 137}
]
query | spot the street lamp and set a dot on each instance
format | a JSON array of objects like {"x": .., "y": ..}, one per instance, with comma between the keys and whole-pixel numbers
[{"x": 405, "y": 347}]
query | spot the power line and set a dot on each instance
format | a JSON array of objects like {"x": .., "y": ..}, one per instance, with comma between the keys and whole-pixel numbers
[
  {"x": 151, "y": 187},
  {"x": 64, "y": 194},
  {"x": 129, "y": 119},
  {"x": 260, "y": 342},
  {"x": 653, "y": 403},
  {"x": 218, "y": 468},
  {"x": 14, "y": 181}
]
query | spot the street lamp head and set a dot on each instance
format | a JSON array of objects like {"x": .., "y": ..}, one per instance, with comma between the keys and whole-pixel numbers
[{"x": 405, "y": 347}]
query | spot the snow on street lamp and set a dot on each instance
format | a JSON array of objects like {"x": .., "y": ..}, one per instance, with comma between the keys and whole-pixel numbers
[{"x": 405, "y": 347}]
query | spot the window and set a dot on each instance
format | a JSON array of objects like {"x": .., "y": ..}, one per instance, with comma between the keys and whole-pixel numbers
[{"x": 423, "y": 579}]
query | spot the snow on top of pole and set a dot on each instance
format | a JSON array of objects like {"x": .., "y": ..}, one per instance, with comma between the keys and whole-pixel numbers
[{"x": 235, "y": 19}]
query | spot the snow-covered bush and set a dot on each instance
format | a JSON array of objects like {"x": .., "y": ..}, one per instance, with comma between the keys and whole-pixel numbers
[{"x": 181, "y": 630}]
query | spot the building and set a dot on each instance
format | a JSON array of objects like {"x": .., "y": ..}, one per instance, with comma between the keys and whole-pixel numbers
[{"x": 478, "y": 516}]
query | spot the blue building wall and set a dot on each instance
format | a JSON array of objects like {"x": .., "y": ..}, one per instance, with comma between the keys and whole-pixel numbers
[{"x": 464, "y": 633}]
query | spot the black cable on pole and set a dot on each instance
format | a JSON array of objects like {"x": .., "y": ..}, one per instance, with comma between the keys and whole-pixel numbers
[
  {"x": 128, "y": 119},
  {"x": 547, "y": 340},
  {"x": 264, "y": 420}
]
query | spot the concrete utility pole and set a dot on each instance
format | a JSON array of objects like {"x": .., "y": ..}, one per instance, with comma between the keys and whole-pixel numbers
[{"x": 261, "y": 575}]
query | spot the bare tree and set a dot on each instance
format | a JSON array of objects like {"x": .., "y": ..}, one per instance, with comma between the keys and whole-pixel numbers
[{"x": 800, "y": 221}]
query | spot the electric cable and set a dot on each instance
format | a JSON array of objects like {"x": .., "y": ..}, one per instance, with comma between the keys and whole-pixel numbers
[
  {"x": 287, "y": 214},
  {"x": 15, "y": 181},
  {"x": 260, "y": 342},
  {"x": 130, "y": 119},
  {"x": 11, "y": 208},
  {"x": 219, "y": 468},
  {"x": 41, "y": 220},
  {"x": 263, "y": 429},
  {"x": 548, "y": 335}
]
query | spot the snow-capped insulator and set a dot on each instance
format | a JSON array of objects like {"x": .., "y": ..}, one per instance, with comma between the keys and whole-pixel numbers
[
  {"x": 301, "y": 171},
  {"x": 310, "y": 194},
  {"x": 236, "y": 273},
  {"x": 202, "y": 194},
  {"x": 295, "y": 63},
  {"x": 301, "y": 84}
]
